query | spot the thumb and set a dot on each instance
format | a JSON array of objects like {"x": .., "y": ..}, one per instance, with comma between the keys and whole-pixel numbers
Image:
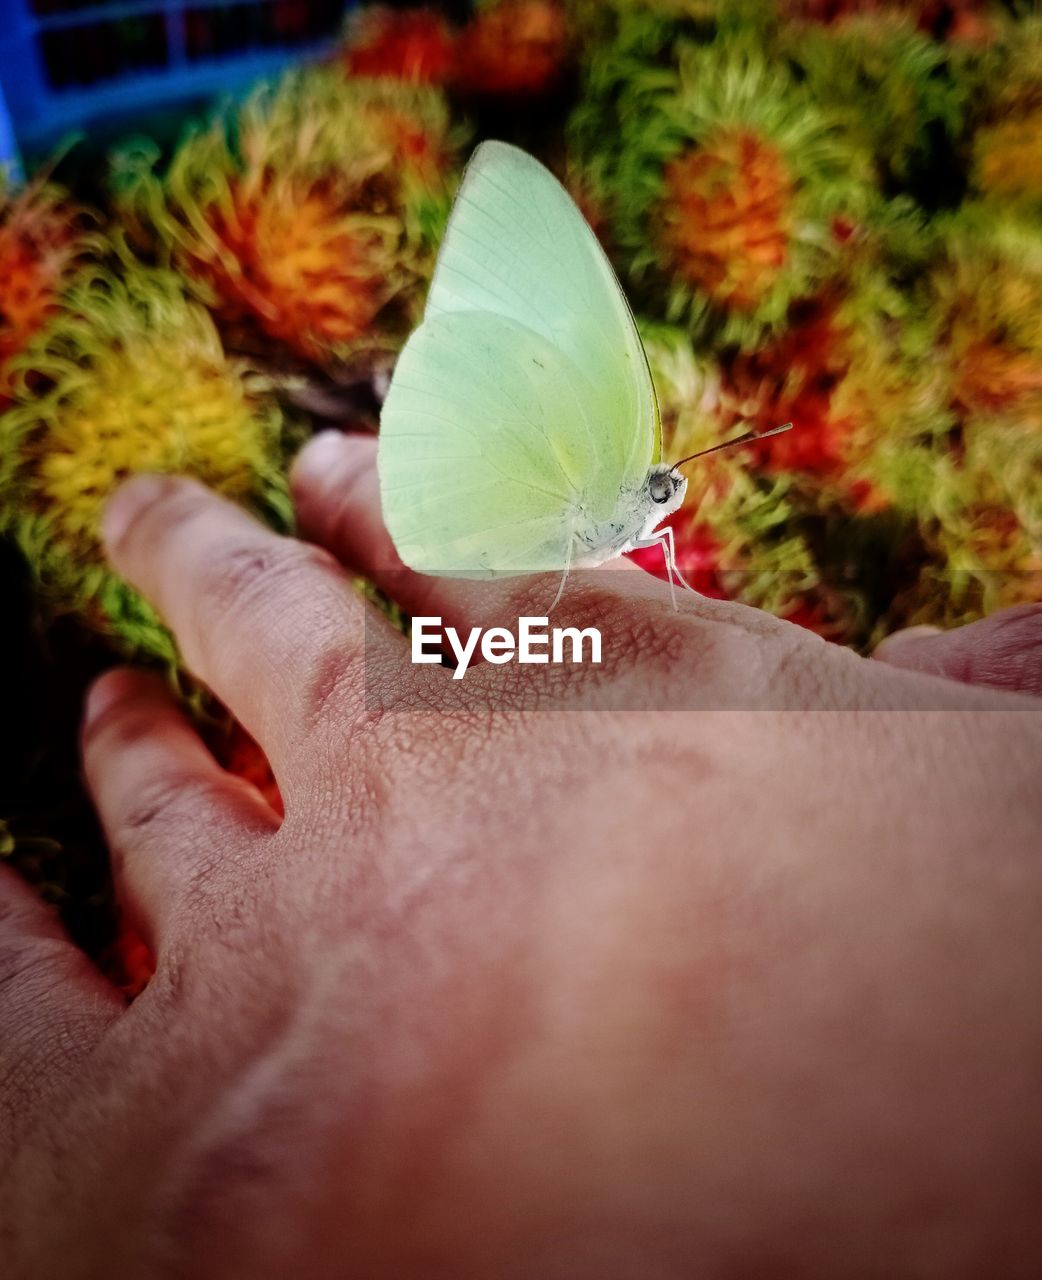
[{"x": 1003, "y": 651}]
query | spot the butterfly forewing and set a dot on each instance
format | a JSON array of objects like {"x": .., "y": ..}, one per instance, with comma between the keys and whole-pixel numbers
[
  {"x": 523, "y": 403},
  {"x": 517, "y": 246}
]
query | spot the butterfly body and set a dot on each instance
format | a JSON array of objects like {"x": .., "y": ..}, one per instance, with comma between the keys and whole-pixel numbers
[{"x": 639, "y": 513}]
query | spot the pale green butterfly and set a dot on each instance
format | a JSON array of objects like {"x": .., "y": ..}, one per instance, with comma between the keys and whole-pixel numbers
[{"x": 521, "y": 430}]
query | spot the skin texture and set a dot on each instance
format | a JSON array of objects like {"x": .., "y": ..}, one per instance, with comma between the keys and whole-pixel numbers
[{"x": 747, "y": 990}]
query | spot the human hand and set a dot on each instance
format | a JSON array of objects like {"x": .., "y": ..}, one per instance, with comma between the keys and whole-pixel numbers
[{"x": 584, "y": 993}]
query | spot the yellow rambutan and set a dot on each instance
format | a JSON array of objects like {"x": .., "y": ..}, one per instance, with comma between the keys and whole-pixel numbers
[{"x": 129, "y": 376}]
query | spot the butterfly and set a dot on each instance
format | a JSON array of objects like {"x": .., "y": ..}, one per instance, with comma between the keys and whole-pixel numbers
[{"x": 521, "y": 431}]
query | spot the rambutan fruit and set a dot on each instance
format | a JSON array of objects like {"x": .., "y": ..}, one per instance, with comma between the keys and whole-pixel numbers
[
  {"x": 892, "y": 87},
  {"x": 128, "y": 376},
  {"x": 307, "y": 223},
  {"x": 415, "y": 45},
  {"x": 1007, "y": 162},
  {"x": 44, "y": 237},
  {"x": 985, "y": 295},
  {"x": 725, "y": 189},
  {"x": 516, "y": 49},
  {"x": 737, "y": 533}
]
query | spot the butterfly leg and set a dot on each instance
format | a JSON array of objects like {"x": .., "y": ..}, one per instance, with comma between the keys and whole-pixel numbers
[
  {"x": 671, "y": 557},
  {"x": 664, "y": 539},
  {"x": 564, "y": 576},
  {"x": 560, "y": 592},
  {"x": 665, "y": 543}
]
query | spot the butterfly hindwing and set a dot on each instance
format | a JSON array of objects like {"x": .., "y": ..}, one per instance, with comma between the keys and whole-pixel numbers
[{"x": 484, "y": 446}]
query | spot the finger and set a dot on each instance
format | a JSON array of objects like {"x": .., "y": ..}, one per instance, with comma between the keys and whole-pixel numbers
[
  {"x": 54, "y": 1004},
  {"x": 270, "y": 624},
  {"x": 1003, "y": 651},
  {"x": 171, "y": 814},
  {"x": 737, "y": 656},
  {"x": 337, "y": 500}
]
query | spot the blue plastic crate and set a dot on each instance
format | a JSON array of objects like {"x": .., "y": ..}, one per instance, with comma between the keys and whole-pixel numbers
[{"x": 66, "y": 64}]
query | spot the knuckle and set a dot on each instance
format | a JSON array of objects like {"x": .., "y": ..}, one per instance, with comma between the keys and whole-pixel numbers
[
  {"x": 1013, "y": 645},
  {"x": 796, "y": 679},
  {"x": 242, "y": 572},
  {"x": 335, "y": 694},
  {"x": 168, "y": 802},
  {"x": 316, "y": 560},
  {"x": 252, "y": 576},
  {"x": 30, "y": 967},
  {"x": 337, "y": 704}
]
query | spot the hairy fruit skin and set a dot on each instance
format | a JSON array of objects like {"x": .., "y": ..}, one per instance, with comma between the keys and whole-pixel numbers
[
  {"x": 723, "y": 183},
  {"x": 308, "y": 278},
  {"x": 128, "y": 377},
  {"x": 43, "y": 238},
  {"x": 1008, "y": 162},
  {"x": 726, "y": 215},
  {"x": 414, "y": 45},
  {"x": 305, "y": 220},
  {"x": 512, "y": 48}
]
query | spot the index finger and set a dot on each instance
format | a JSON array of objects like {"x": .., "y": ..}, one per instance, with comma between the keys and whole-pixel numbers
[
  {"x": 270, "y": 624},
  {"x": 336, "y": 493}
]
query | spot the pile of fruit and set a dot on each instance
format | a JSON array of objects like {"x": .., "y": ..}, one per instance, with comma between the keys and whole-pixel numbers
[{"x": 823, "y": 212}]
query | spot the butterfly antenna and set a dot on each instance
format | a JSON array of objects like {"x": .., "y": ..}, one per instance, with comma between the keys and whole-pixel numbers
[{"x": 746, "y": 438}]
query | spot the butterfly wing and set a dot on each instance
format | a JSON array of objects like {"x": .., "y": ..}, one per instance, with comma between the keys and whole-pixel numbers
[
  {"x": 517, "y": 246},
  {"x": 525, "y": 395},
  {"x": 484, "y": 445}
]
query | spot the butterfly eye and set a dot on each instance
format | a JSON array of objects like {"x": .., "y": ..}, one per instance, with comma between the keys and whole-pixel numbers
[{"x": 661, "y": 488}]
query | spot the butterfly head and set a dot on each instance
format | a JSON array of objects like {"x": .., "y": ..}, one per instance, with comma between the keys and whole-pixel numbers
[
  {"x": 666, "y": 489},
  {"x": 665, "y": 492}
]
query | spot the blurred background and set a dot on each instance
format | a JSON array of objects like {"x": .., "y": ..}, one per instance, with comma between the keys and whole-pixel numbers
[{"x": 218, "y": 221}]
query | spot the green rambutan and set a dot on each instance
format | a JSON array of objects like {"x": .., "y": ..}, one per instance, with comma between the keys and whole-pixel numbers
[
  {"x": 894, "y": 90},
  {"x": 727, "y": 189}
]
